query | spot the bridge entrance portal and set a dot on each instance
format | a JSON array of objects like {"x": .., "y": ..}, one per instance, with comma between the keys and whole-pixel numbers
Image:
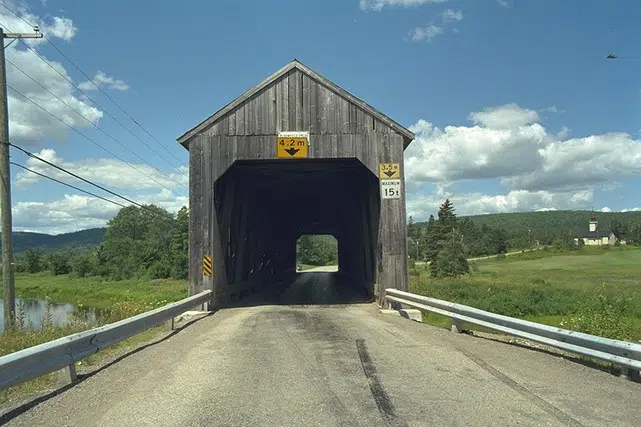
[{"x": 295, "y": 155}]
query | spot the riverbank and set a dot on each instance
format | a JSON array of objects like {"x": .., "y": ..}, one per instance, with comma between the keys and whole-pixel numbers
[
  {"x": 115, "y": 301},
  {"x": 98, "y": 292}
]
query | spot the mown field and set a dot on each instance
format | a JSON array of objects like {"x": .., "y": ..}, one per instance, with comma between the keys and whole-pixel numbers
[{"x": 593, "y": 290}]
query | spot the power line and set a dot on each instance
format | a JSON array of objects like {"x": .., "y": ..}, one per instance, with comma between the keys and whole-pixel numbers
[
  {"x": 68, "y": 185},
  {"x": 93, "y": 83},
  {"x": 87, "y": 137},
  {"x": 90, "y": 122},
  {"x": 60, "y": 168},
  {"x": 114, "y": 118}
]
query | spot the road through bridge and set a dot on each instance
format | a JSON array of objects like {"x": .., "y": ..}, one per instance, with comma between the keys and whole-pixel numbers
[{"x": 285, "y": 364}]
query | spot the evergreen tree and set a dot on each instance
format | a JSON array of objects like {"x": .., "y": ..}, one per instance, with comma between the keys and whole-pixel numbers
[
  {"x": 451, "y": 260},
  {"x": 432, "y": 237},
  {"x": 446, "y": 217}
]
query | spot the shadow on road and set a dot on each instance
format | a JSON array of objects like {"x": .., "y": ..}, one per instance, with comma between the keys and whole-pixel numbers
[{"x": 309, "y": 288}]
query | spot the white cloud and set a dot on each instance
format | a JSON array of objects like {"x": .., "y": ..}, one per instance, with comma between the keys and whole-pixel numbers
[
  {"x": 29, "y": 124},
  {"x": 504, "y": 117},
  {"x": 103, "y": 81},
  {"x": 420, "y": 206},
  {"x": 425, "y": 33},
  {"x": 79, "y": 211},
  {"x": 110, "y": 173},
  {"x": 553, "y": 109},
  {"x": 378, "y": 5},
  {"x": 540, "y": 170},
  {"x": 457, "y": 153},
  {"x": 61, "y": 28},
  {"x": 595, "y": 159},
  {"x": 76, "y": 212},
  {"x": 606, "y": 209},
  {"x": 437, "y": 26},
  {"x": 506, "y": 143},
  {"x": 450, "y": 15},
  {"x": 502, "y": 3},
  {"x": 70, "y": 213}
]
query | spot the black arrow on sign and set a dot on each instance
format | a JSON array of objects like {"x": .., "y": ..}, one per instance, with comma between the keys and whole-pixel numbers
[
  {"x": 389, "y": 173},
  {"x": 291, "y": 151}
]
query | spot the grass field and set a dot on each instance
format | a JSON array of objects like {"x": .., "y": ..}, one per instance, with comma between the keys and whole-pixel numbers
[
  {"x": 96, "y": 292},
  {"x": 594, "y": 290}
]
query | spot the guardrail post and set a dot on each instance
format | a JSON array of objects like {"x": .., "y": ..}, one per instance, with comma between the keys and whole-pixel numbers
[
  {"x": 169, "y": 324},
  {"x": 456, "y": 326},
  {"x": 629, "y": 374},
  {"x": 68, "y": 375}
]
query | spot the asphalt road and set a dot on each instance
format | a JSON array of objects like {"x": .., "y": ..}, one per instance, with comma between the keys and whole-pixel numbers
[{"x": 337, "y": 365}]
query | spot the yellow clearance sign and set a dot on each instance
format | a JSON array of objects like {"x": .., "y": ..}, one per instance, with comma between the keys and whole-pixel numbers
[
  {"x": 389, "y": 171},
  {"x": 292, "y": 145}
]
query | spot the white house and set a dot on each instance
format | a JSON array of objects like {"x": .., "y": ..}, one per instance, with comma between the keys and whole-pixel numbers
[{"x": 594, "y": 237}]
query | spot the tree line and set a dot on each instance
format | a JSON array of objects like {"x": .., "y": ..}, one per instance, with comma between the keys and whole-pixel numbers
[
  {"x": 524, "y": 229},
  {"x": 143, "y": 241},
  {"x": 476, "y": 240},
  {"x": 317, "y": 250},
  {"x": 151, "y": 242}
]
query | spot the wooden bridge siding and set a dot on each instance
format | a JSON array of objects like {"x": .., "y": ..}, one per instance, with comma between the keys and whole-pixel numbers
[
  {"x": 339, "y": 129},
  {"x": 222, "y": 151},
  {"x": 296, "y": 102}
]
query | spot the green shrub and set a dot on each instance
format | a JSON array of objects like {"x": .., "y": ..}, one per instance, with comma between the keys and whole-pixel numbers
[
  {"x": 84, "y": 264},
  {"x": 603, "y": 315},
  {"x": 59, "y": 263}
]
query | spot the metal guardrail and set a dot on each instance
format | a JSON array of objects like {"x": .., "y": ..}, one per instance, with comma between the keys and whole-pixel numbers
[
  {"x": 64, "y": 352},
  {"x": 623, "y": 353}
]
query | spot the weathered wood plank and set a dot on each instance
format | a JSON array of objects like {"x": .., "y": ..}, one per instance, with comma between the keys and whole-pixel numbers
[
  {"x": 207, "y": 191},
  {"x": 240, "y": 120},
  {"x": 278, "y": 90},
  {"x": 284, "y": 82},
  {"x": 306, "y": 101},
  {"x": 259, "y": 113},
  {"x": 325, "y": 109},
  {"x": 314, "y": 109},
  {"x": 293, "y": 100},
  {"x": 271, "y": 111},
  {"x": 361, "y": 121},
  {"x": 249, "y": 118},
  {"x": 299, "y": 100},
  {"x": 196, "y": 218}
]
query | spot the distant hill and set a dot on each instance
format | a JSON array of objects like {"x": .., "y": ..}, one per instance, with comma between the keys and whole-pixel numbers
[
  {"x": 544, "y": 223},
  {"x": 23, "y": 241}
]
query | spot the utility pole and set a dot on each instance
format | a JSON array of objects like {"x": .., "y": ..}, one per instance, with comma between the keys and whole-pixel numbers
[{"x": 5, "y": 186}]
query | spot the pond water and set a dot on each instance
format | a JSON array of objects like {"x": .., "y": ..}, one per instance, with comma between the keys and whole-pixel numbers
[{"x": 35, "y": 311}]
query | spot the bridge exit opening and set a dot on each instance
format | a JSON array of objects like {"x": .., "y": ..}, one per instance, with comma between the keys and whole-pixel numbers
[{"x": 316, "y": 252}]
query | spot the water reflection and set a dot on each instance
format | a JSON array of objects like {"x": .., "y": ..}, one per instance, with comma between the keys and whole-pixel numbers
[{"x": 35, "y": 312}]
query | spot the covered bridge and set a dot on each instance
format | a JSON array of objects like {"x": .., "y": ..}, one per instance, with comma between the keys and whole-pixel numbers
[{"x": 295, "y": 155}]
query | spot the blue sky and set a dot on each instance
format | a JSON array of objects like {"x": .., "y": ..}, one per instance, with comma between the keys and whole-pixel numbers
[{"x": 513, "y": 102}]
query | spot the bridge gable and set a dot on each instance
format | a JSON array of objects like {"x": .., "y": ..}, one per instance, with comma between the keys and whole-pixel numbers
[{"x": 296, "y": 98}]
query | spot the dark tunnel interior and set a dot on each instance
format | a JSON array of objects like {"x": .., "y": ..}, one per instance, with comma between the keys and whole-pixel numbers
[{"x": 264, "y": 206}]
